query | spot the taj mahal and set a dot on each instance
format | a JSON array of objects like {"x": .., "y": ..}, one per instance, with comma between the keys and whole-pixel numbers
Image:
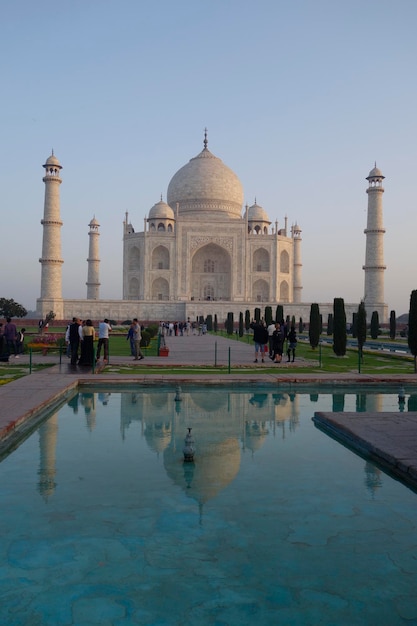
[{"x": 201, "y": 252}]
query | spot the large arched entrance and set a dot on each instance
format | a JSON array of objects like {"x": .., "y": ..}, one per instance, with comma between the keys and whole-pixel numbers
[{"x": 211, "y": 277}]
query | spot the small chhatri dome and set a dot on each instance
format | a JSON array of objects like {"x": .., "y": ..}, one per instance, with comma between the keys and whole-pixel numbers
[
  {"x": 206, "y": 185},
  {"x": 94, "y": 222},
  {"x": 52, "y": 160},
  {"x": 257, "y": 214},
  {"x": 161, "y": 211},
  {"x": 375, "y": 173}
]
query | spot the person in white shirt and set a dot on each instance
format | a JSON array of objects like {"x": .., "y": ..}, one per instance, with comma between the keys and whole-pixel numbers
[
  {"x": 103, "y": 338},
  {"x": 271, "y": 329}
]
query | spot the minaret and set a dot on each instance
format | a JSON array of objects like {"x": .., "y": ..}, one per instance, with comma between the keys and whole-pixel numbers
[
  {"x": 51, "y": 276},
  {"x": 297, "y": 282},
  {"x": 374, "y": 257},
  {"x": 93, "y": 282}
]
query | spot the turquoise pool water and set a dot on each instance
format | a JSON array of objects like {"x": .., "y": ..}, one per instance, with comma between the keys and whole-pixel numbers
[{"x": 274, "y": 523}]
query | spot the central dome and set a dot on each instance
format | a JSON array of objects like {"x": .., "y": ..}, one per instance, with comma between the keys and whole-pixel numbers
[{"x": 206, "y": 185}]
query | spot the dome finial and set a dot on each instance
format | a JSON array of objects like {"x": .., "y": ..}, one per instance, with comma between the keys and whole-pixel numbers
[
  {"x": 52, "y": 152},
  {"x": 205, "y": 139}
]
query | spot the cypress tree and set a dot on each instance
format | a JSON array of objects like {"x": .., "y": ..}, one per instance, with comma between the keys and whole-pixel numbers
[
  {"x": 412, "y": 327},
  {"x": 229, "y": 323},
  {"x": 374, "y": 325},
  {"x": 392, "y": 325},
  {"x": 339, "y": 331},
  {"x": 361, "y": 328},
  {"x": 209, "y": 322},
  {"x": 268, "y": 315},
  {"x": 247, "y": 320},
  {"x": 241, "y": 324},
  {"x": 257, "y": 315},
  {"x": 314, "y": 327},
  {"x": 354, "y": 326},
  {"x": 330, "y": 324},
  {"x": 279, "y": 314},
  {"x": 215, "y": 325},
  {"x": 293, "y": 321},
  {"x": 301, "y": 326}
]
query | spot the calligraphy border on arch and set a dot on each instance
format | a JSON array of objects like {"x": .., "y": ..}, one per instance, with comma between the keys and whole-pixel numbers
[{"x": 224, "y": 242}]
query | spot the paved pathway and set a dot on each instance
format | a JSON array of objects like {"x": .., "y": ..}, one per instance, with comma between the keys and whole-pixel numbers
[{"x": 391, "y": 439}]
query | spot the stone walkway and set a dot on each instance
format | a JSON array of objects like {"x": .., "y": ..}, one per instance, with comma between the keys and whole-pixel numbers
[{"x": 388, "y": 438}]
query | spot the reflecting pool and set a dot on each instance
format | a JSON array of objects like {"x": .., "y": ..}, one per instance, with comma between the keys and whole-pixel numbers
[{"x": 276, "y": 523}]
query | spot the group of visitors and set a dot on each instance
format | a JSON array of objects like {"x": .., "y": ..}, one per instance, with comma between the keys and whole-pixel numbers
[
  {"x": 11, "y": 340},
  {"x": 80, "y": 336},
  {"x": 272, "y": 339},
  {"x": 182, "y": 329}
]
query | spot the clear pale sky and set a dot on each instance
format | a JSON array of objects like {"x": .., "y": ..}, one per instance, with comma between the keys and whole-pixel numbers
[{"x": 300, "y": 99}]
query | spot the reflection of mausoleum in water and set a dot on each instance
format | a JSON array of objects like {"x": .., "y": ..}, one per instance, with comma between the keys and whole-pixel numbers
[{"x": 225, "y": 425}]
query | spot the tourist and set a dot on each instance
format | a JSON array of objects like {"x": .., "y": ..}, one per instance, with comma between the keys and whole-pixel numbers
[
  {"x": 260, "y": 337},
  {"x": 20, "y": 341},
  {"x": 73, "y": 337},
  {"x": 137, "y": 338},
  {"x": 87, "y": 344},
  {"x": 292, "y": 344},
  {"x": 131, "y": 339},
  {"x": 10, "y": 337},
  {"x": 271, "y": 329},
  {"x": 277, "y": 343},
  {"x": 103, "y": 339}
]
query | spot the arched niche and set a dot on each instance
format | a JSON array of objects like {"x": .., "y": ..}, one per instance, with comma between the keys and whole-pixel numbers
[
  {"x": 133, "y": 289},
  {"x": 160, "y": 258},
  {"x": 284, "y": 291},
  {"x": 134, "y": 259},
  {"x": 211, "y": 273},
  {"x": 260, "y": 291},
  {"x": 160, "y": 289},
  {"x": 284, "y": 262},
  {"x": 261, "y": 261}
]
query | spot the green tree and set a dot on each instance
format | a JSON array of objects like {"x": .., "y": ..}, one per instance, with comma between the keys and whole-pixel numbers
[
  {"x": 314, "y": 327},
  {"x": 229, "y": 323},
  {"x": 257, "y": 315},
  {"x": 374, "y": 325},
  {"x": 293, "y": 321},
  {"x": 330, "y": 324},
  {"x": 209, "y": 322},
  {"x": 279, "y": 313},
  {"x": 241, "y": 324},
  {"x": 268, "y": 315},
  {"x": 392, "y": 325},
  {"x": 354, "y": 326},
  {"x": 247, "y": 320},
  {"x": 360, "y": 322},
  {"x": 301, "y": 326},
  {"x": 215, "y": 324},
  {"x": 10, "y": 308},
  {"x": 339, "y": 332},
  {"x": 412, "y": 327}
]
